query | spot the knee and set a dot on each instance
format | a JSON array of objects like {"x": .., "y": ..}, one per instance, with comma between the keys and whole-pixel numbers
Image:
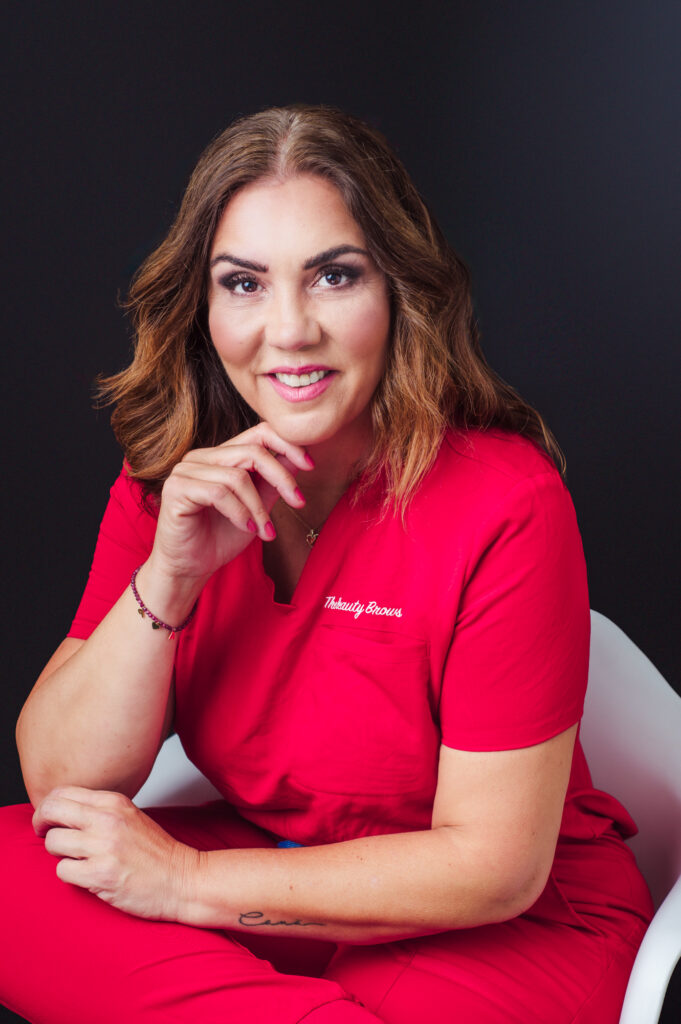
[
  {"x": 16, "y": 823},
  {"x": 21, "y": 850}
]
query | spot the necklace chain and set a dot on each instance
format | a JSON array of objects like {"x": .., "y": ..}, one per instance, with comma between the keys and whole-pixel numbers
[{"x": 312, "y": 534}]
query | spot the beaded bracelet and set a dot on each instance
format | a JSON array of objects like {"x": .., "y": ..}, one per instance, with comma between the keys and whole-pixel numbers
[{"x": 157, "y": 623}]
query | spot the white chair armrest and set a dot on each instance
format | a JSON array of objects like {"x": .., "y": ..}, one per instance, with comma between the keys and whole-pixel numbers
[
  {"x": 175, "y": 780},
  {"x": 656, "y": 959}
]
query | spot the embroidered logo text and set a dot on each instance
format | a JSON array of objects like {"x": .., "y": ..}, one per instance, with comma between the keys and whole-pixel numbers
[{"x": 356, "y": 608}]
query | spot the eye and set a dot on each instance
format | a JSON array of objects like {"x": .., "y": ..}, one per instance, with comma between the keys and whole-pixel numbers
[
  {"x": 338, "y": 277},
  {"x": 239, "y": 284}
]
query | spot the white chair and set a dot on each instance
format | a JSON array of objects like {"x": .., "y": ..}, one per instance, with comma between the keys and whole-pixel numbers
[
  {"x": 631, "y": 733},
  {"x": 175, "y": 780}
]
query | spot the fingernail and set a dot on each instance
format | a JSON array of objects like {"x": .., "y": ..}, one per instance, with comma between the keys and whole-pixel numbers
[
  {"x": 299, "y": 495},
  {"x": 309, "y": 460},
  {"x": 251, "y": 527},
  {"x": 270, "y": 532}
]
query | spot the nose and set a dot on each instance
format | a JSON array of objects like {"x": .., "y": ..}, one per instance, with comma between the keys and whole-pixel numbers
[{"x": 290, "y": 323}]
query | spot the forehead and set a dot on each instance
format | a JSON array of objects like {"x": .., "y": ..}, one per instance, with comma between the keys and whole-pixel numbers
[{"x": 305, "y": 212}]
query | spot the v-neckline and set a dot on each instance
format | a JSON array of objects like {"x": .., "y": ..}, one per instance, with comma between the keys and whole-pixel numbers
[{"x": 320, "y": 544}]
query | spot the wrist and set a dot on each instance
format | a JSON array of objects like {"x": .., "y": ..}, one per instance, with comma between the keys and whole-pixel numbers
[
  {"x": 185, "y": 868},
  {"x": 190, "y": 866},
  {"x": 165, "y": 599}
]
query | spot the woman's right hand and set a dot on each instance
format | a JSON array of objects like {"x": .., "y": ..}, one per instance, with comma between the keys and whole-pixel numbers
[
  {"x": 217, "y": 500},
  {"x": 113, "y": 693}
]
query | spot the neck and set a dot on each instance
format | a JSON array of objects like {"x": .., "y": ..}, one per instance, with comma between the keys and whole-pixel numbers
[{"x": 337, "y": 463}]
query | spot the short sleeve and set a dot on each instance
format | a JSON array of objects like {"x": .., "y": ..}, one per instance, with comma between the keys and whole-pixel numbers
[
  {"x": 517, "y": 668},
  {"x": 126, "y": 536}
]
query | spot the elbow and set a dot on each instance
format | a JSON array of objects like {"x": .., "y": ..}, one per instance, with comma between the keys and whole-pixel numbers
[
  {"x": 38, "y": 780},
  {"x": 36, "y": 790},
  {"x": 40, "y": 776},
  {"x": 515, "y": 892},
  {"x": 497, "y": 883},
  {"x": 33, "y": 759},
  {"x": 42, "y": 772},
  {"x": 28, "y": 772}
]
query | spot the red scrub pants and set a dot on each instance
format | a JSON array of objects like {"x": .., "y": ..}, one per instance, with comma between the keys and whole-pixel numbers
[{"x": 69, "y": 958}]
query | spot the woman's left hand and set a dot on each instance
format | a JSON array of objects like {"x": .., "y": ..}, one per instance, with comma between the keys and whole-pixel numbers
[{"x": 110, "y": 847}]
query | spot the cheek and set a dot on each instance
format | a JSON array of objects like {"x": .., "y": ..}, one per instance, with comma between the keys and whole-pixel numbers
[
  {"x": 215, "y": 330},
  {"x": 368, "y": 330},
  {"x": 230, "y": 343}
]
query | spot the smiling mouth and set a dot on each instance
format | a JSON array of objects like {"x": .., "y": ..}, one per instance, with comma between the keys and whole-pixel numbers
[{"x": 302, "y": 380}]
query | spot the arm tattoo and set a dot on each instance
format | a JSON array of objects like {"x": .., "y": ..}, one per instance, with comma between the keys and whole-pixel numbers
[{"x": 252, "y": 919}]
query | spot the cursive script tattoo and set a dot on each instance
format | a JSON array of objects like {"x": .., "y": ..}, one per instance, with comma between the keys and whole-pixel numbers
[{"x": 253, "y": 920}]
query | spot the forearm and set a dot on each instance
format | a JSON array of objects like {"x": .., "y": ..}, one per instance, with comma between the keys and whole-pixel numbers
[
  {"x": 369, "y": 890},
  {"x": 97, "y": 720}
]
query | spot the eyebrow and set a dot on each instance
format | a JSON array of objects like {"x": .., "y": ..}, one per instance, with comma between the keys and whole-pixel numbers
[{"x": 314, "y": 261}]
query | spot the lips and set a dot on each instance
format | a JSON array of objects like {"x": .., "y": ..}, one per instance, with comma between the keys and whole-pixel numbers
[{"x": 302, "y": 383}]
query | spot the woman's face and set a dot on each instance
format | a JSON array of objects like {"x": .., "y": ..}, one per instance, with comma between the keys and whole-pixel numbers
[{"x": 298, "y": 311}]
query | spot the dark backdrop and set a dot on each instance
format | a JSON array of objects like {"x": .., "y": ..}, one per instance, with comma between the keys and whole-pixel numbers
[{"x": 544, "y": 135}]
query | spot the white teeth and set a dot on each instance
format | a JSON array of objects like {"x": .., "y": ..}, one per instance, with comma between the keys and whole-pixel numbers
[{"x": 294, "y": 380}]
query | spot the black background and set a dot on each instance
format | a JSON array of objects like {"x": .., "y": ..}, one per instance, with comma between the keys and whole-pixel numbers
[{"x": 545, "y": 136}]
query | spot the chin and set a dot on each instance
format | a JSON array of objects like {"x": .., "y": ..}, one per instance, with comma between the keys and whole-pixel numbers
[
  {"x": 312, "y": 428},
  {"x": 306, "y": 438},
  {"x": 304, "y": 430}
]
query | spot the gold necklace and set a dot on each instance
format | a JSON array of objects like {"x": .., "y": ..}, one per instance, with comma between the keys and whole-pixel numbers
[{"x": 312, "y": 534}]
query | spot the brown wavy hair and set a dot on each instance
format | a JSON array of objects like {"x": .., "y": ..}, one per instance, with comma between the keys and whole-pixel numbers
[{"x": 176, "y": 396}]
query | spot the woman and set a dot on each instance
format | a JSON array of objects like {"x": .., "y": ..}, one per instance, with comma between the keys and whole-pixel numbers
[{"x": 341, "y": 562}]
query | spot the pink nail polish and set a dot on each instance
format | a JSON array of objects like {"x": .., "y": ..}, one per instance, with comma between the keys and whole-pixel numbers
[
  {"x": 309, "y": 460},
  {"x": 270, "y": 532},
  {"x": 299, "y": 495},
  {"x": 251, "y": 527}
]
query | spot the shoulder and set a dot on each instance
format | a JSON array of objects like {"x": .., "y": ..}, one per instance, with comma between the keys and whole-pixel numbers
[
  {"x": 493, "y": 458},
  {"x": 130, "y": 494},
  {"x": 485, "y": 476},
  {"x": 126, "y": 536},
  {"x": 130, "y": 512}
]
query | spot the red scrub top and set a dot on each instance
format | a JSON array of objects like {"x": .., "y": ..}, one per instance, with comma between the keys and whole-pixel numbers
[{"x": 321, "y": 720}]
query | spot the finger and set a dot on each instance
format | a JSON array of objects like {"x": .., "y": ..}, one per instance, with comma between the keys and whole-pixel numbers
[
  {"x": 231, "y": 492},
  {"x": 99, "y": 876},
  {"x": 72, "y": 807},
  {"x": 66, "y": 842},
  {"x": 270, "y": 494},
  {"x": 75, "y": 872},
  {"x": 276, "y": 470},
  {"x": 57, "y": 810},
  {"x": 96, "y": 797},
  {"x": 264, "y": 434}
]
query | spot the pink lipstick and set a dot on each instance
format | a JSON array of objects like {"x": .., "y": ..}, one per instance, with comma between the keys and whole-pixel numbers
[{"x": 301, "y": 384}]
